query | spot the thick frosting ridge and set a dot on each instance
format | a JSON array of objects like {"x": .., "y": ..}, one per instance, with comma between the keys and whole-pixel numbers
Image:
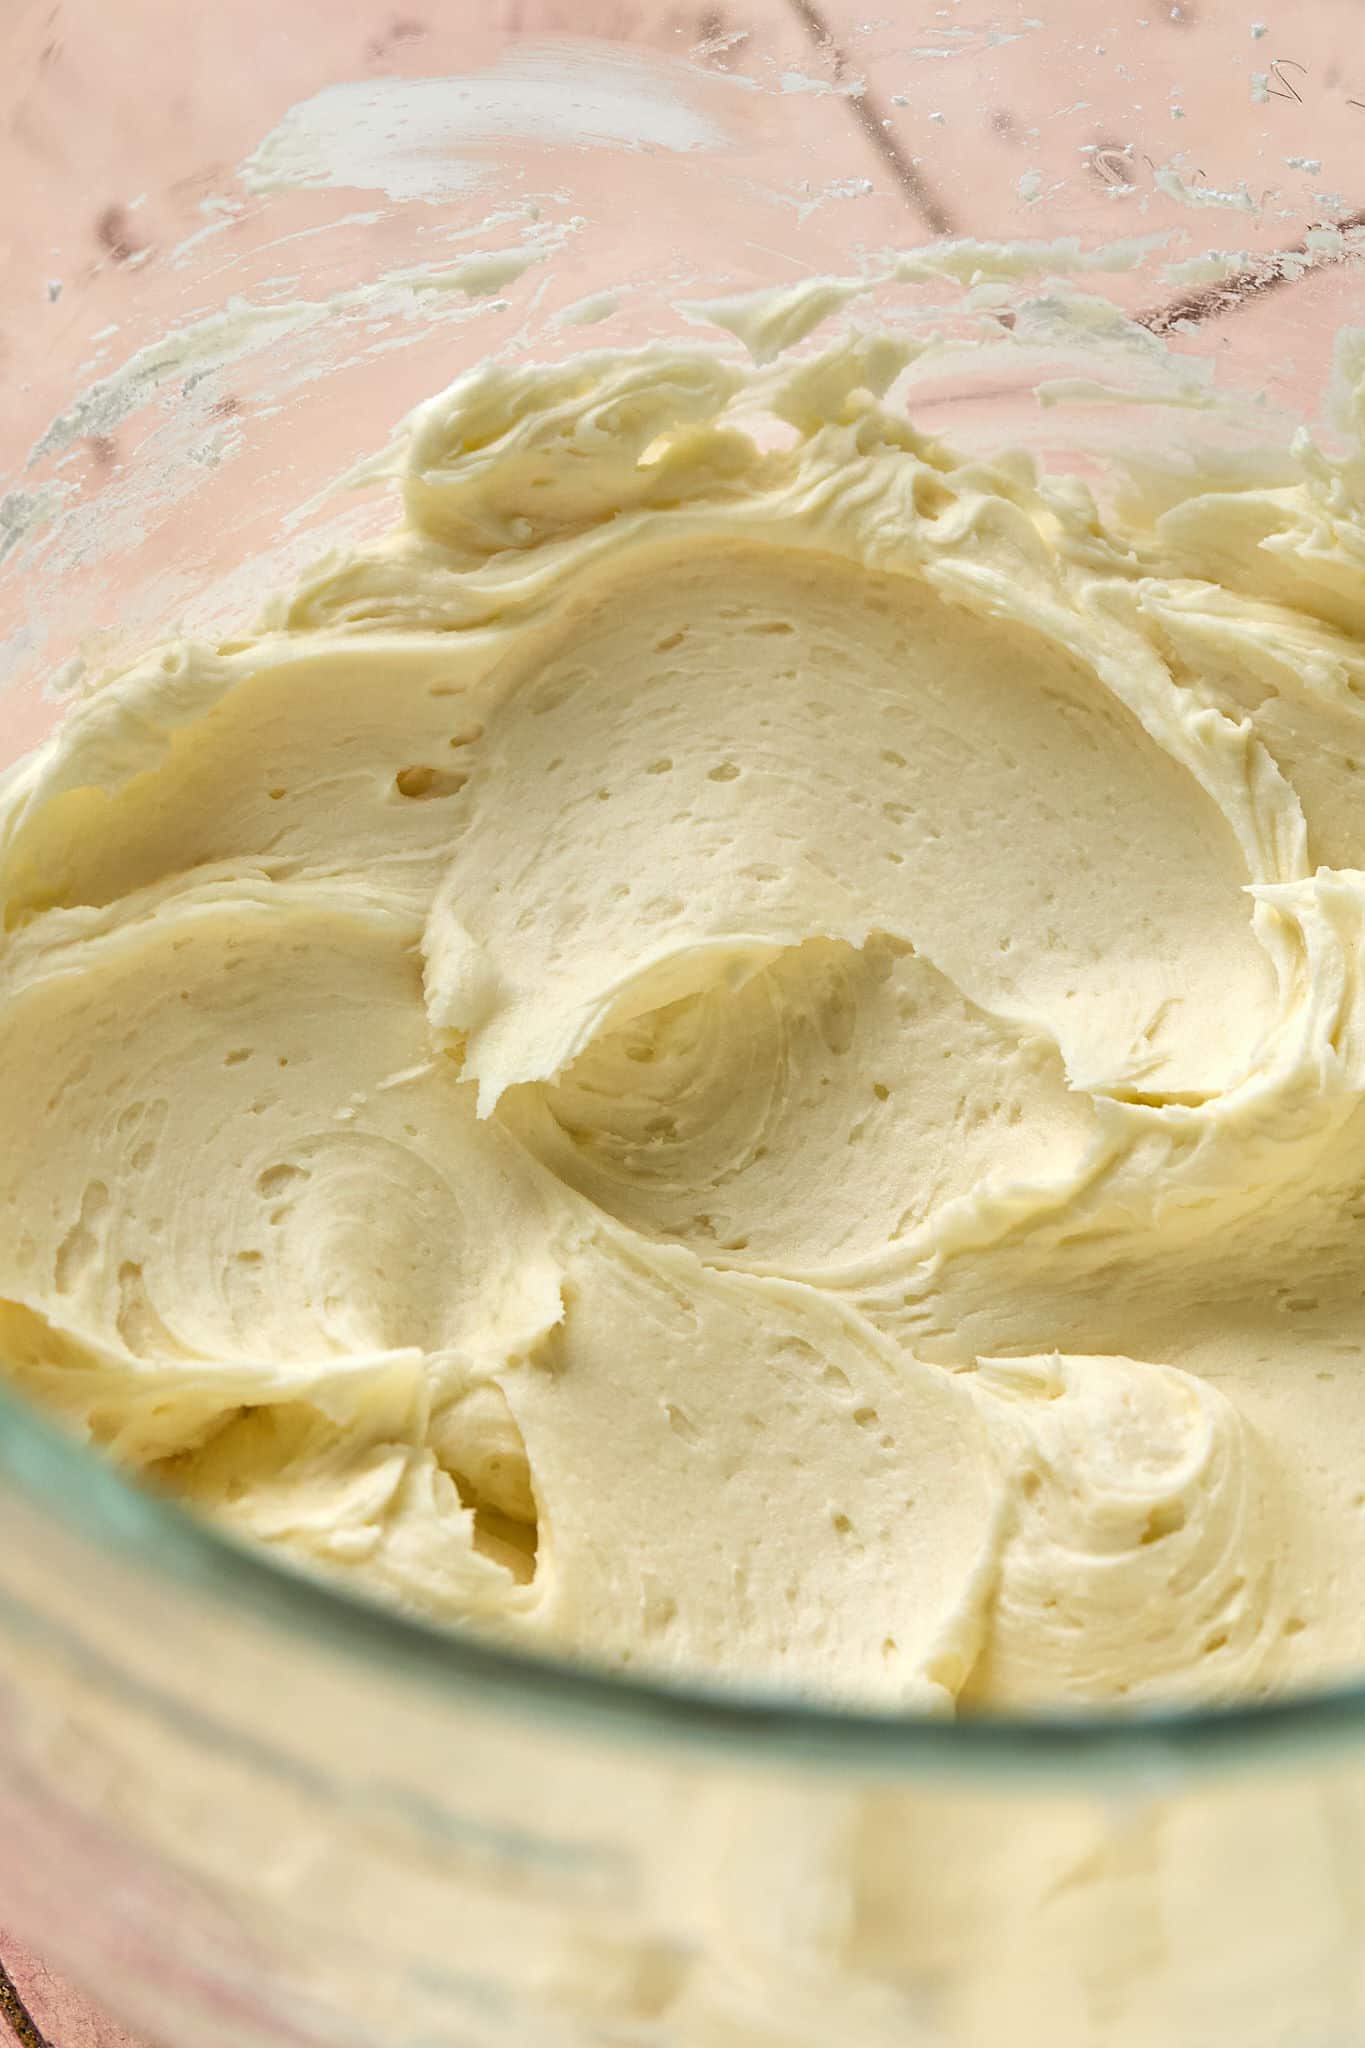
[{"x": 740, "y": 1050}]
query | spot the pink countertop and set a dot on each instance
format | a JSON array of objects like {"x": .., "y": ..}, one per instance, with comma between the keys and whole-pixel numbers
[{"x": 48, "y": 2014}]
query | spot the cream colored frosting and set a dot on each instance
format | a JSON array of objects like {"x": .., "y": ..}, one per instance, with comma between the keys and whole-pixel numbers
[{"x": 740, "y": 1050}]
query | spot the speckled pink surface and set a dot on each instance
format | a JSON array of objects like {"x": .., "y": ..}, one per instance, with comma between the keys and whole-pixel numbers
[
  {"x": 947, "y": 133},
  {"x": 60, "y": 2015}
]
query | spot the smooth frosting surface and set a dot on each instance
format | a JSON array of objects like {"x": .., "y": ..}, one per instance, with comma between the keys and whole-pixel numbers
[{"x": 741, "y": 1050}]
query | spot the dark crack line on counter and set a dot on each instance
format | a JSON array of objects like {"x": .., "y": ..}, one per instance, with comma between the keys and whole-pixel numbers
[
  {"x": 1266, "y": 274},
  {"x": 870, "y": 115},
  {"x": 1192, "y": 308},
  {"x": 17, "y": 2015}
]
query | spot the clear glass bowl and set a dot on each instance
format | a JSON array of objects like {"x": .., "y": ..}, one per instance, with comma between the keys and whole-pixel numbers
[{"x": 245, "y": 1810}]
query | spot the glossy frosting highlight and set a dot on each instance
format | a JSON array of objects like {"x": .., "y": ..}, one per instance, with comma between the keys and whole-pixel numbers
[{"x": 740, "y": 1051}]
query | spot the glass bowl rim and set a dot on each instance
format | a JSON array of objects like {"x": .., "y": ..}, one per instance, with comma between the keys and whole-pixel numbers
[{"x": 75, "y": 1485}]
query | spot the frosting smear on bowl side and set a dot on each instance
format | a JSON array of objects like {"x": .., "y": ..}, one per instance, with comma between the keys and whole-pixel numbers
[{"x": 739, "y": 1051}]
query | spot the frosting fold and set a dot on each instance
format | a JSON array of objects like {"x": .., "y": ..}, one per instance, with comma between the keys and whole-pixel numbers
[{"x": 739, "y": 1050}]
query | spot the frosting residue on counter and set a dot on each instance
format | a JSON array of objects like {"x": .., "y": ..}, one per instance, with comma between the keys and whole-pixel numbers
[{"x": 739, "y": 1051}]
